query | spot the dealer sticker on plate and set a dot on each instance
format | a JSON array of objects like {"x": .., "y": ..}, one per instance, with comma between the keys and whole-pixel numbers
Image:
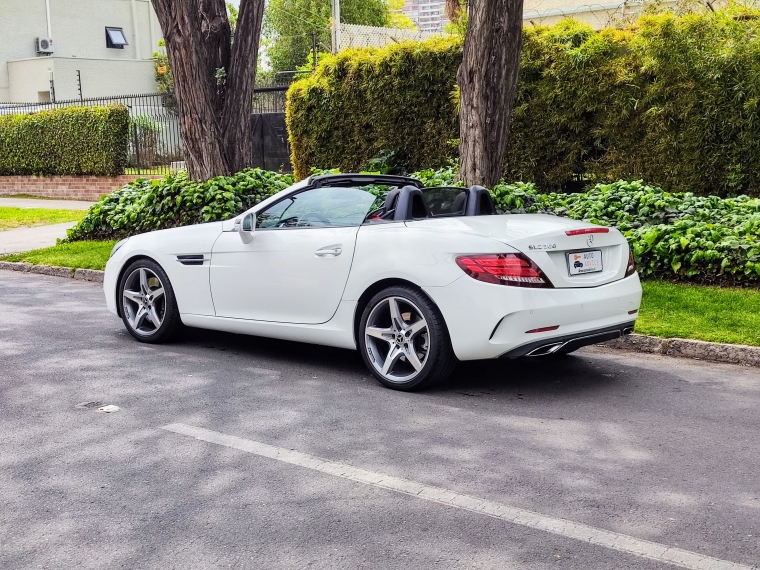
[{"x": 585, "y": 262}]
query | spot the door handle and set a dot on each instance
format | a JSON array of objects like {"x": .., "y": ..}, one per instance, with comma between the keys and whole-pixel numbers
[{"x": 329, "y": 251}]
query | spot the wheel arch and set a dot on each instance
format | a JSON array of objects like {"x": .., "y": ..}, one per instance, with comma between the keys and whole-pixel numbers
[
  {"x": 373, "y": 290},
  {"x": 123, "y": 270}
]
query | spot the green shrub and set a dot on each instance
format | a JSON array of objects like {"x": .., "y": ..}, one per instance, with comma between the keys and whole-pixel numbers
[
  {"x": 72, "y": 140},
  {"x": 363, "y": 101},
  {"x": 673, "y": 100},
  {"x": 673, "y": 235},
  {"x": 146, "y": 205}
]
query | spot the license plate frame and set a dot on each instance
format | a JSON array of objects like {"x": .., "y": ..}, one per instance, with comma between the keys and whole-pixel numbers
[{"x": 590, "y": 259}]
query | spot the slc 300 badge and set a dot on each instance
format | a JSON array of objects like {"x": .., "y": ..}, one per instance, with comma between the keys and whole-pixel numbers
[{"x": 543, "y": 246}]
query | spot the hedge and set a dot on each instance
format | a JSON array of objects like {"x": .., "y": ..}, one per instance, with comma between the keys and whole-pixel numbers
[
  {"x": 72, "y": 140},
  {"x": 674, "y": 235},
  {"x": 673, "y": 100}
]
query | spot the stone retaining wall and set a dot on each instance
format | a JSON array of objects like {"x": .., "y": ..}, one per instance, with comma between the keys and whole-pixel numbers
[{"x": 66, "y": 187}]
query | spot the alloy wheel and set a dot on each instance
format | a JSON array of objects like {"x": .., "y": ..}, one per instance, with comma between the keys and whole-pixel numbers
[
  {"x": 144, "y": 301},
  {"x": 397, "y": 339}
]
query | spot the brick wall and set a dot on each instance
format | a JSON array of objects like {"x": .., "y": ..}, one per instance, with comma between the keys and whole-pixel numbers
[{"x": 66, "y": 187}]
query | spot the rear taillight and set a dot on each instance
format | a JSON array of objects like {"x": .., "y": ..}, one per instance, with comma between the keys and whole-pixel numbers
[
  {"x": 504, "y": 269},
  {"x": 631, "y": 269}
]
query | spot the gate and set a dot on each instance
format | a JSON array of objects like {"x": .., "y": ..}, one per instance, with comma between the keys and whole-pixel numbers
[{"x": 271, "y": 150}]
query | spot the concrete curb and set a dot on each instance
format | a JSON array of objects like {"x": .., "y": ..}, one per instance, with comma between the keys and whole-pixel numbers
[
  {"x": 81, "y": 274},
  {"x": 686, "y": 348},
  {"x": 677, "y": 347}
]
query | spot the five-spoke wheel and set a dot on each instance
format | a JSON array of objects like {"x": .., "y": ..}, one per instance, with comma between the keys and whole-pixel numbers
[
  {"x": 148, "y": 308},
  {"x": 404, "y": 340}
]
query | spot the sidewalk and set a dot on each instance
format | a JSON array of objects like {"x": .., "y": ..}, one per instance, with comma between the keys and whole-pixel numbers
[
  {"x": 47, "y": 204},
  {"x": 25, "y": 239}
]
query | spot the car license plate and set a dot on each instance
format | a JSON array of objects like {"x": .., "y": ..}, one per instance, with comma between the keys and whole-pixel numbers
[{"x": 584, "y": 262}]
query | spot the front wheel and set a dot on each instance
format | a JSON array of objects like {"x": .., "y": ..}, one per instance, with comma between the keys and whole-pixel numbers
[
  {"x": 404, "y": 341},
  {"x": 147, "y": 303}
]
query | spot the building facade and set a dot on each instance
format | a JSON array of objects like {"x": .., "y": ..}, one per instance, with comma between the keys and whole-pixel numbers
[
  {"x": 428, "y": 15},
  {"x": 99, "y": 48}
]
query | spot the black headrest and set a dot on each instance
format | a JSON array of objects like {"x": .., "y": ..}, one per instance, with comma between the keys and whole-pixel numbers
[
  {"x": 411, "y": 205},
  {"x": 391, "y": 200},
  {"x": 479, "y": 202},
  {"x": 459, "y": 203}
]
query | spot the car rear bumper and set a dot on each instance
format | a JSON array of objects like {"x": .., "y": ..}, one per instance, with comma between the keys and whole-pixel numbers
[
  {"x": 489, "y": 321},
  {"x": 571, "y": 342}
]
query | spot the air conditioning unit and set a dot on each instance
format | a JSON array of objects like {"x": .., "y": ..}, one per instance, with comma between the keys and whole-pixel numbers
[{"x": 44, "y": 45}]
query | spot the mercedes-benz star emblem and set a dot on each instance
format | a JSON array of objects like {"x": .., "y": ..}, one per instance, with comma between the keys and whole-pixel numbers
[{"x": 590, "y": 240}]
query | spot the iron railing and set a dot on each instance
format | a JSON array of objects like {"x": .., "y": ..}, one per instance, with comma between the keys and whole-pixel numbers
[{"x": 155, "y": 145}]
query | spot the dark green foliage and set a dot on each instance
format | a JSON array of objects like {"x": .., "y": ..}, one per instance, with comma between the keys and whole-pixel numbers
[
  {"x": 361, "y": 102},
  {"x": 673, "y": 100},
  {"x": 73, "y": 140},
  {"x": 146, "y": 205},
  {"x": 673, "y": 235}
]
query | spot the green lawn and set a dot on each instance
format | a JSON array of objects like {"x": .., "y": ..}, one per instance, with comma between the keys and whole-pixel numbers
[
  {"x": 78, "y": 254},
  {"x": 24, "y": 217},
  {"x": 700, "y": 312},
  {"x": 669, "y": 310}
]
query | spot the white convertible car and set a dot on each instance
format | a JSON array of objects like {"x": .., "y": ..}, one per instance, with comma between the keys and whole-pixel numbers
[{"x": 416, "y": 282}]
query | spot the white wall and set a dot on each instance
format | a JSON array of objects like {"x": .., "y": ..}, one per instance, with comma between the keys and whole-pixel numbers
[{"x": 78, "y": 32}]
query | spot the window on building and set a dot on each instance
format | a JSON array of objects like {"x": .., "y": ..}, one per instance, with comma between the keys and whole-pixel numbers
[{"x": 115, "y": 38}]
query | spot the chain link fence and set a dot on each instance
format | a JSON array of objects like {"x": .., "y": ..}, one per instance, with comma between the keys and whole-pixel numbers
[{"x": 354, "y": 36}]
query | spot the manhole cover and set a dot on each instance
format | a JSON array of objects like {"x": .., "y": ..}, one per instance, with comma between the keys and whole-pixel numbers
[{"x": 88, "y": 405}]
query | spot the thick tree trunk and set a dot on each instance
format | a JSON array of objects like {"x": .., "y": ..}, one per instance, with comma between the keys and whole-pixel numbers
[
  {"x": 487, "y": 81},
  {"x": 213, "y": 80}
]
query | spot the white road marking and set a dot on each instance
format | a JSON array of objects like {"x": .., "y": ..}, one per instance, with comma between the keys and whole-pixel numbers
[{"x": 515, "y": 515}]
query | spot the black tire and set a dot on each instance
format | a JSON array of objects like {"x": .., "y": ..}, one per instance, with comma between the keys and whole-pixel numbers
[
  {"x": 439, "y": 359},
  {"x": 165, "y": 310}
]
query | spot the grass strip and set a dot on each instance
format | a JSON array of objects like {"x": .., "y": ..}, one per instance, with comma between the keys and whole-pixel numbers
[
  {"x": 11, "y": 217},
  {"x": 78, "y": 255},
  {"x": 701, "y": 312}
]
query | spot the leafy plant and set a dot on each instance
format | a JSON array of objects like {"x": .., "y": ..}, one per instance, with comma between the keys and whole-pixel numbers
[{"x": 146, "y": 205}]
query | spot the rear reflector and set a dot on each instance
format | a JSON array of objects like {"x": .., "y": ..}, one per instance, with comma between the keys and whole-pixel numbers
[
  {"x": 588, "y": 231},
  {"x": 503, "y": 269},
  {"x": 633, "y": 312},
  {"x": 543, "y": 329}
]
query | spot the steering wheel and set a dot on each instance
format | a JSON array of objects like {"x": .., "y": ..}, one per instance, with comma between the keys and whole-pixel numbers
[{"x": 319, "y": 218}]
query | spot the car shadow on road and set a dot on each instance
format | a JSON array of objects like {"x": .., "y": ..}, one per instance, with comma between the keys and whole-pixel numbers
[{"x": 568, "y": 373}]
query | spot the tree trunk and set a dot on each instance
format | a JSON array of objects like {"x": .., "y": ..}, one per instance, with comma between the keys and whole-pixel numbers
[
  {"x": 213, "y": 80},
  {"x": 487, "y": 81}
]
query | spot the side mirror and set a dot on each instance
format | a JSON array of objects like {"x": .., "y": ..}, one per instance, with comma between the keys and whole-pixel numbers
[{"x": 245, "y": 226}]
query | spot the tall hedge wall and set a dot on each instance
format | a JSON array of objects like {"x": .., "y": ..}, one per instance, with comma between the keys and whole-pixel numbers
[
  {"x": 72, "y": 140},
  {"x": 673, "y": 100}
]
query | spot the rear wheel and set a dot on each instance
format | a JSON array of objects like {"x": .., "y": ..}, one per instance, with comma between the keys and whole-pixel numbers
[
  {"x": 147, "y": 303},
  {"x": 404, "y": 341}
]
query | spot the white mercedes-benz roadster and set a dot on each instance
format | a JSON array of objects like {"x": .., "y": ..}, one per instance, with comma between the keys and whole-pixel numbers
[{"x": 415, "y": 281}]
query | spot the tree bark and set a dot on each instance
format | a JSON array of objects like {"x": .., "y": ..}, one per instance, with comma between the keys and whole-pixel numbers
[
  {"x": 487, "y": 81},
  {"x": 213, "y": 80}
]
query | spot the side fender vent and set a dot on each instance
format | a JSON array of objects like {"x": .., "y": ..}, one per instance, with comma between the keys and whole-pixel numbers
[{"x": 190, "y": 259}]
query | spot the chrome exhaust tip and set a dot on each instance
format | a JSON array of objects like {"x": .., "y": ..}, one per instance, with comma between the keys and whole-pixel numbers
[
  {"x": 546, "y": 349},
  {"x": 627, "y": 330}
]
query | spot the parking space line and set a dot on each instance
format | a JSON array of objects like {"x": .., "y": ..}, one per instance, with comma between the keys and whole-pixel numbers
[{"x": 515, "y": 515}]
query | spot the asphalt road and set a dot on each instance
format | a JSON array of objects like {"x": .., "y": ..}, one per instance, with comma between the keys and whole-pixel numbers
[{"x": 655, "y": 449}]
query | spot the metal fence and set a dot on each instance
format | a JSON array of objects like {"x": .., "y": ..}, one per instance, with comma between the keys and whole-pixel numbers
[{"x": 155, "y": 145}]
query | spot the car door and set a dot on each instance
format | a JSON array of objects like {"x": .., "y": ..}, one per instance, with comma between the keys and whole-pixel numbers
[{"x": 295, "y": 268}]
